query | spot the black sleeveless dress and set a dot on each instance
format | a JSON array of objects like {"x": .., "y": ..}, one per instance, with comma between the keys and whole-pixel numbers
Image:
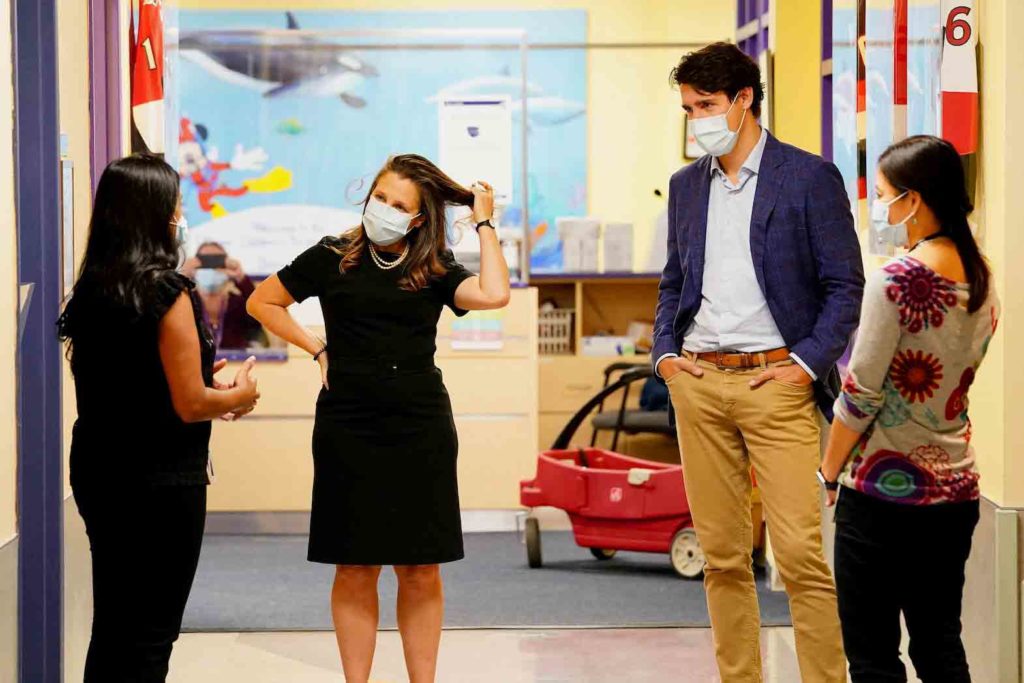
[{"x": 385, "y": 490}]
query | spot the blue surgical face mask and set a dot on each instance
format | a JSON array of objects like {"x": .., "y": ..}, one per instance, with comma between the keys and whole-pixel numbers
[
  {"x": 384, "y": 224},
  {"x": 713, "y": 133},
  {"x": 210, "y": 280},
  {"x": 887, "y": 233}
]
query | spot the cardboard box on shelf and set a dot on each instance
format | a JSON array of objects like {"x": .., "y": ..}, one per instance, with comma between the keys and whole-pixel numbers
[
  {"x": 608, "y": 346},
  {"x": 618, "y": 248},
  {"x": 580, "y": 237}
]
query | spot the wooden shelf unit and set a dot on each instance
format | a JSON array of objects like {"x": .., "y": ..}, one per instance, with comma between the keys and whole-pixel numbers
[{"x": 602, "y": 303}]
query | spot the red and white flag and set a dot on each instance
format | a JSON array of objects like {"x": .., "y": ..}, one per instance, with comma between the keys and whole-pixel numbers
[
  {"x": 958, "y": 75},
  {"x": 147, "y": 86}
]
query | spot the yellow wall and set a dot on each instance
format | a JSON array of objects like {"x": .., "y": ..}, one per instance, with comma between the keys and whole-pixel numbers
[
  {"x": 796, "y": 42},
  {"x": 996, "y": 398},
  {"x": 73, "y": 91},
  {"x": 613, "y": 21},
  {"x": 8, "y": 289}
]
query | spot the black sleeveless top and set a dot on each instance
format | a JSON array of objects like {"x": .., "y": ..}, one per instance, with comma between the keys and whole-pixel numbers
[{"x": 127, "y": 430}]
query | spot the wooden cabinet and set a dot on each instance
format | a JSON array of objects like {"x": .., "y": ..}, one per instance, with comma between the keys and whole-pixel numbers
[{"x": 567, "y": 382}]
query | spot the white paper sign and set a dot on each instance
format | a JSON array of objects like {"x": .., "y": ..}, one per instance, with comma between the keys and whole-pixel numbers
[
  {"x": 475, "y": 141},
  {"x": 266, "y": 239}
]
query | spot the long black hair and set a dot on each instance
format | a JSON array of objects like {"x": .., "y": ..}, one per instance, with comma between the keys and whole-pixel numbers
[
  {"x": 932, "y": 167},
  {"x": 132, "y": 246}
]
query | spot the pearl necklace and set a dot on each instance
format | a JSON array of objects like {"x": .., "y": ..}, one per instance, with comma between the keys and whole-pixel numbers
[{"x": 384, "y": 265}]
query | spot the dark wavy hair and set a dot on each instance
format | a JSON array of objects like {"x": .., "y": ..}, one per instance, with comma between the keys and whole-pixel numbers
[
  {"x": 427, "y": 242},
  {"x": 932, "y": 167},
  {"x": 721, "y": 67},
  {"x": 131, "y": 245}
]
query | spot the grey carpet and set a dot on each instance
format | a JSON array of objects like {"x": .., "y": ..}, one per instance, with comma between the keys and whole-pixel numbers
[{"x": 263, "y": 583}]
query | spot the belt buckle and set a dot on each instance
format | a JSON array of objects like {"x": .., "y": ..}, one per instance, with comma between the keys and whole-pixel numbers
[{"x": 719, "y": 362}]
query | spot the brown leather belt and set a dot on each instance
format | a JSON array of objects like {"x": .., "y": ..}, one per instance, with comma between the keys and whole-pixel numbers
[{"x": 744, "y": 361}]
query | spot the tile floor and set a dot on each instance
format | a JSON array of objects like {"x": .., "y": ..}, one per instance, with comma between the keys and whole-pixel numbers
[{"x": 507, "y": 656}]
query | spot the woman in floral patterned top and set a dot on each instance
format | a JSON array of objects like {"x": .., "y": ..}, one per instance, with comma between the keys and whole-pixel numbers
[{"x": 900, "y": 446}]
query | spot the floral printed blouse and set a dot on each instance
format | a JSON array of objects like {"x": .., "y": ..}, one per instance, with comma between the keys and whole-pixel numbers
[{"x": 916, "y": 355}]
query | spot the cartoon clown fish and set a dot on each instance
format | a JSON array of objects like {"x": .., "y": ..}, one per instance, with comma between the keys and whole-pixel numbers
[{"x": 202, "y": 168}]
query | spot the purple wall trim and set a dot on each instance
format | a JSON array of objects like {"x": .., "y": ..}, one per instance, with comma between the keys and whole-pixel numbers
[
  {"x": 826, "y": 29},
  {"x": 748, "y": 11},
  {"x": 826, "y": 81},
  {"x": 105, "y": 84}
]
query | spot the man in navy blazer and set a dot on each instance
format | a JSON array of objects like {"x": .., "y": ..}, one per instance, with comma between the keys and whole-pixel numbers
[{"x": 758, "y": 299}]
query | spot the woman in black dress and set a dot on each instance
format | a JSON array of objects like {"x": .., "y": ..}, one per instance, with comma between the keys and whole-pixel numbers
[
  {"x": 143, "y": 369},
  {"x": 384, "y": 441}
]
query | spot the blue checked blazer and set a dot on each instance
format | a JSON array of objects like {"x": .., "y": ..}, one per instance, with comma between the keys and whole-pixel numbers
[{"x": 805, "y": 250}]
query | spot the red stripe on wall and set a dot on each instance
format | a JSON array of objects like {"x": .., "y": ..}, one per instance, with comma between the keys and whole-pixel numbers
[
  {"x": 960, "y": 120},
  {"x": 899, "y": 61}
]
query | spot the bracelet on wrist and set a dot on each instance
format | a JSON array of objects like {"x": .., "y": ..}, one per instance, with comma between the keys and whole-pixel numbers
[
  {"x": 829, "y": 485},
  {"x": 316, "y": 356},
  {"x": 485, "y": 223}
]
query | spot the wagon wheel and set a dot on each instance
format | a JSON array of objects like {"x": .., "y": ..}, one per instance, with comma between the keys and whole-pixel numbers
[
  {"x": 533, "y": 556},
  {"x": 687, "y": 556},
  {"x": 602, "y": 553}
]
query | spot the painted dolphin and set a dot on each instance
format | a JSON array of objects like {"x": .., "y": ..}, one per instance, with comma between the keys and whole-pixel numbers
[
  {"x": 279, "y": 71},
  {"x": 542, "y": 110}
]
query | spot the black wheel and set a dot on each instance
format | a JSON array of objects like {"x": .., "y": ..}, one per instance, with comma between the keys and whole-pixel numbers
[
  {"x": 533, "y": 556},
  {"x": 602, "y": 554},
  {"x": 687, "y": 556}
]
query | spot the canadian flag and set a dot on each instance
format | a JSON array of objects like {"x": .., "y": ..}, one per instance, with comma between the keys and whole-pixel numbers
[
  {"x": 147, "y": 85},
  {"x": 958, "y": 75}
]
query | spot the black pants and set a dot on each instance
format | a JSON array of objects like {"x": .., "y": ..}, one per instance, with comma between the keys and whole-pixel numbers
[
  {"x": 893, "y": 558},
  {"x": 145, "y": 548}
]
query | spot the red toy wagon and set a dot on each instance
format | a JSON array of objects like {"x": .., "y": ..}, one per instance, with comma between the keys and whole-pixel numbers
[{"x": 616, "y": 502}]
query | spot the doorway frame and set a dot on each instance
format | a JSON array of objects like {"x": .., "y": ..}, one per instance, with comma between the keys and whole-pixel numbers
[{"x": 39, "y": 371}]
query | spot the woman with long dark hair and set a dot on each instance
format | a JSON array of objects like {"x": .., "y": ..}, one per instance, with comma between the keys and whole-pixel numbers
[
  {"x": 900, "y": 447},
  {"x": 143, "y": 366},
  {"x": 384, "y": 441}
]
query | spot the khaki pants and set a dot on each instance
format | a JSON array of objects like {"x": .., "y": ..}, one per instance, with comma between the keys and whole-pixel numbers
[{"x": 725, "y": 427}]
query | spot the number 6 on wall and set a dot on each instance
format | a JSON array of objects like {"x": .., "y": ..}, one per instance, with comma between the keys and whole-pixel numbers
[{"x": 958, "y": 30}]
